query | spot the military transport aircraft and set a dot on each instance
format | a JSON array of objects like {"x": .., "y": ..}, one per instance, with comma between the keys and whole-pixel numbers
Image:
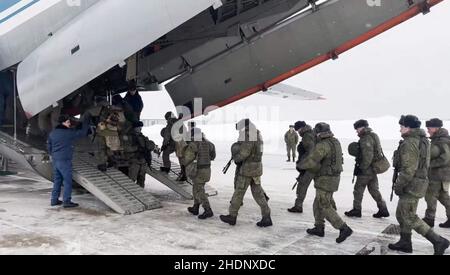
[{"x": 219, "y": 51}]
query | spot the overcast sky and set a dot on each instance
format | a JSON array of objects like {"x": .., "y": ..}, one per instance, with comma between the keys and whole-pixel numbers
[{"x": 404, "y": 70}]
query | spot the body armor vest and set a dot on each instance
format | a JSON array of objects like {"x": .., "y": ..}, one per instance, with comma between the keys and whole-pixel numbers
[
  {"x": 331, "y": 165},
  {"x": 203, "y": 154}
]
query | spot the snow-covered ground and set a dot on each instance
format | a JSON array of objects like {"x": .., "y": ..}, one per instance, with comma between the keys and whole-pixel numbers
[{"x": 28, "y": 225}]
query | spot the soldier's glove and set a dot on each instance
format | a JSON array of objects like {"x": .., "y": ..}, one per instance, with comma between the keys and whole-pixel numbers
[{"x": 102, "y": 167}]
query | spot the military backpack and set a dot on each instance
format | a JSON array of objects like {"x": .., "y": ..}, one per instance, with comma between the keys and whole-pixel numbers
[{"x": 380, "y": 163}]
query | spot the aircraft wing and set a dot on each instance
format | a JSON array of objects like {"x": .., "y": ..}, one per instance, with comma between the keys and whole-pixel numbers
[{"x": 286, "y": 91}]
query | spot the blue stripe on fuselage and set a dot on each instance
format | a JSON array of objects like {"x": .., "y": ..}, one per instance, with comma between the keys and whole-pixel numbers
[{"x": 6, "y": 4}]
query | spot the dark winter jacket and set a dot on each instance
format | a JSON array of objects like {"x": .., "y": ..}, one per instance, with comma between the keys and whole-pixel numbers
[
  {"x": 135, "y": 102},
  {"x": 60, "y": 141}
]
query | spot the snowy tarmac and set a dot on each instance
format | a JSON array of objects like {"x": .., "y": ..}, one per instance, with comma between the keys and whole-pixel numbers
[{"x": 28, "y": 225}]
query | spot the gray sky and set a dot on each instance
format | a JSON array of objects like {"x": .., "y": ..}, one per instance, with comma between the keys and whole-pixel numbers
[{"x": 404, "y": 70}]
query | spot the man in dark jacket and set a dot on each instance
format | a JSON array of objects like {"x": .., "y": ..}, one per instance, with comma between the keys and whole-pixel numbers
[
  {"x": 135, "y": 100},
  {"x": 60, "y": 147}
]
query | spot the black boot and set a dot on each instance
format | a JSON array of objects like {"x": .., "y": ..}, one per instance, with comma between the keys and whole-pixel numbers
[
  {"x": 70, "y": 204},
  {"x": 440, "y": 244},
  {"x": 182, "y": 176},
  {"x": 102, "y": 167},
  {"x": 429, "y": 221},
  {"x": 316, "y": 231},
  {"x": 293, "y": 159},
  {"x": 353, "y": 213},
  {"x": 265, "y": 222},
  {"x": 228, "y": 219},
  {"x": 382, "y": 213},
  {"x": 194, "y": 209},
  {"x": 164, "y": 169},
  {"x": 56, "y": 203},
  {"x": 288, "y": 160},
  {"x": 445, "y": 224},
  {"x": 404, "y": 244},
  {"x": 296, "y": 209},
  {"x": 207, "y": 214},
  {"x": 344, "y": 233}
]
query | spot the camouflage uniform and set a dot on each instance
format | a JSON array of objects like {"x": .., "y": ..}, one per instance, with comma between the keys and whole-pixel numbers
[
  {"x": 138, "y": 150},
  {"x": 411, "y": 185},
  {"x": 168, "y": 147},
  {"x": 325, "y": 162},
  {"x": 249, "y": 160},
  {"x": 291, "y": 140},
  {"x": 181, "y": 138},
  {"x": 249, "y": 174},
  {"x": 439, "y": 174},
  {"x": 369, "y": 145},
  {"x": 412, "y": 182},
  {"x": 197, "y": 157},
  {"x": 305, "y": 178},
  {"x": 108, "y": 141},
  {"x": 100, "y": 111}
]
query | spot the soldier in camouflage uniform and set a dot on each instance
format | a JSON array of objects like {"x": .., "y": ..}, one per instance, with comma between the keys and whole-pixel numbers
[
  {"x": 168, "y": 147},
  {"x": 369, "y": 149},
  {"x": 127, "y": 111},
  {"x": 248, "y": 157},
  {"x": 100, "y": 111},
  {"x": 304, "y": 179},
  {"x": 138, "y": 149},
  {"x": 108, "y": 140},
  {"x": 325, "y": 162},
  {"x": 439, "y": 173},
  {"x": 197, "y": 157},
  {"x": 180, "y": 138},
  {"x": 291, "y": 140},
  {"x": 412, "y": 162}
]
